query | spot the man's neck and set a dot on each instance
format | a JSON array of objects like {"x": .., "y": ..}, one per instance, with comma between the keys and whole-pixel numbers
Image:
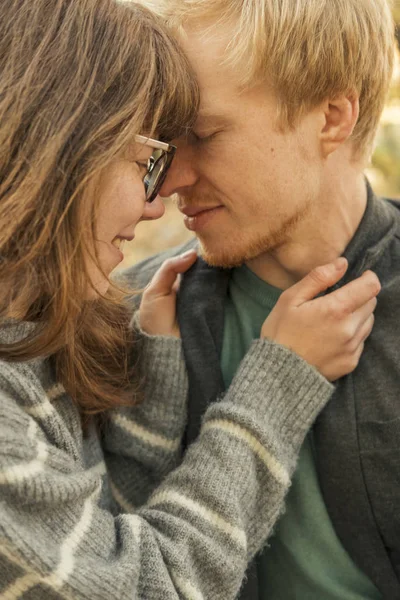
[{"x": 320, "y": 238}]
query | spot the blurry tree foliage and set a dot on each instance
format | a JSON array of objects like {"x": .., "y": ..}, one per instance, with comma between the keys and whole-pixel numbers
[
  {"x": 396, "y": 13},
  {"x": 385, "y": 171}
]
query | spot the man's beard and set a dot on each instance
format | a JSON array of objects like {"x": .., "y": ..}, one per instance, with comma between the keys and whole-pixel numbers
[
  {"x": 235, "y": 254},
  {"x": 236, "y": 249},
  {"x": 240, "y": 249}
]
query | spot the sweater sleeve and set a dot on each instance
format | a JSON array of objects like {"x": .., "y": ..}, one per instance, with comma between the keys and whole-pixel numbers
[
  {"x": 197, "y": 532},
  {"x": 148, "y": 437}
]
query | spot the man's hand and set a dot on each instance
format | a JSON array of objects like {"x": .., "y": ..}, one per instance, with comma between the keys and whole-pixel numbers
[
  {"x": 328, "y": 332},
  {"x": 158, "y": 305}
]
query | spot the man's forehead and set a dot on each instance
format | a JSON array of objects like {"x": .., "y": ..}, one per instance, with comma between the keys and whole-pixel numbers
[
  {"x": 221, "y": 91},
  {"x": 207, "y": 52}
]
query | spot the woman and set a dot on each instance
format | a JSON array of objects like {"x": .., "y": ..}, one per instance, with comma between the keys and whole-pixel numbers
[{"x": 85, "y": 86}]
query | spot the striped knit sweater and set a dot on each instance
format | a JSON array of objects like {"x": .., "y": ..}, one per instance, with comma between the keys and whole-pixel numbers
[{"x": 124, "y": 515}]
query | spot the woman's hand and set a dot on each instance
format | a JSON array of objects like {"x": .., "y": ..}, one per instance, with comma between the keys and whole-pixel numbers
[
  {"x": 328, "y": 332},
  {"x": 157, "y": 315}
]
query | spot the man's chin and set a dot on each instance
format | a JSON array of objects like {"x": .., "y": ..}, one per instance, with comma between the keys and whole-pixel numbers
[
  {"x": 219, "y": 259},
  {"x": 228, "y": 257},
  {"x": 229, "y": 248}
]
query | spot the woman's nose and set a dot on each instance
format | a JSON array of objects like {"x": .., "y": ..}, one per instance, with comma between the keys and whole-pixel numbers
[
  {"x": 153, "y": 210},
  {"x": 181, "y": 175}
]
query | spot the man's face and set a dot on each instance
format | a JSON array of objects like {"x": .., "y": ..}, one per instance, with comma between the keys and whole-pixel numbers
[{"x": 243, "y": 184}]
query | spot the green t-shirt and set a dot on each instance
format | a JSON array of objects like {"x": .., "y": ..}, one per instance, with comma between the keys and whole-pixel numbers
[{"x": 305, "y": 559}]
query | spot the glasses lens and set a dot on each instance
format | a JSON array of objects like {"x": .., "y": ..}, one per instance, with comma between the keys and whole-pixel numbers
[{"x": 154, "y": 176}]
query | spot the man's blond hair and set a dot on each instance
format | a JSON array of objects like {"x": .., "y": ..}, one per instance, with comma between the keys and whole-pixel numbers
[{"x": 309, "y": 50}]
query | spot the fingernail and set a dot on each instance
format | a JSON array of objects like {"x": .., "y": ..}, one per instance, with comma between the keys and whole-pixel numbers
[{"x": 187, "y": 254}]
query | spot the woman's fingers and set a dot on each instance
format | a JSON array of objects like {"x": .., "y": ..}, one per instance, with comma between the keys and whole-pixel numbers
[
  {"x": 329, "y": 331},
  {"x": 363, "y": 332},
  {"x": 367, "y": 328},
  {"x": 316, "y": 282},
  {"x": 361, "y": 315},
  {"x": 158, "y": 305},
  {"x": 355, "y": 294},
  {"x": 165, "y": 279}
]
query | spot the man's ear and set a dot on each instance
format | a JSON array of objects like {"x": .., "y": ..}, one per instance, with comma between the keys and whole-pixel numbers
[{"x": 340, "y": 118}]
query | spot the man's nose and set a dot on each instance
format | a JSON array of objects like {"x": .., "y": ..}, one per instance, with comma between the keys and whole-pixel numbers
[
  {"x": 153, "y": 210},
  {"x": 182, "y": 173}
]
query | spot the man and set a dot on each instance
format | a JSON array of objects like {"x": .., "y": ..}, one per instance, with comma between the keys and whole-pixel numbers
[{"x": 272, "y": 182}]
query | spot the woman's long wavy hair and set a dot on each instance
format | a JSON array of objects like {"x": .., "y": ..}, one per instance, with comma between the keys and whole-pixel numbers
[{"x": 78, "y": 80}]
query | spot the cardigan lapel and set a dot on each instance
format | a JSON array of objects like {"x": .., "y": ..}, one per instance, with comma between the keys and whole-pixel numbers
[
  {"x": 201, "y": 301},
  {"x": 201, "y": 320},
  {"x": 338, "y": 433}
]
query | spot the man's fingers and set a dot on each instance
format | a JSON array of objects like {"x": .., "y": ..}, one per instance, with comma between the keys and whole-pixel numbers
[
  {"x": 163, "y": 281},
  {"x": 355, "y": 294},
  {"x": 317, "y": 281}
]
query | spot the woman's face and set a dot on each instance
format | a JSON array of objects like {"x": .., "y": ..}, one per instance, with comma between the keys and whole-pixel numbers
[{"x": 122, "y": 205}]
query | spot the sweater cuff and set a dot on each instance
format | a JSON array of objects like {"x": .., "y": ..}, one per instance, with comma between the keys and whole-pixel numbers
[
  {"x": 161, "y": 365},
  {"x": 283, "y": 389}
]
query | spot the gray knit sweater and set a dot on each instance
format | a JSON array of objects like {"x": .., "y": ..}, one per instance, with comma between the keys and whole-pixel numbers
[{"x": 123, "y": 515}]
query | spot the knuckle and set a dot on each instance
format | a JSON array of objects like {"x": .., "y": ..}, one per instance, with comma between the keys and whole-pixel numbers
[
  {"x": 355, "y": 357},
  {"x": 168, "y": 263},
  {"x": 352, "y": 346},
  {"x": 373, "y": 282},
  {"x": 147, "y": 289},
  {"x": 354, "y": 363},
  {"x": 348, "y": 331},
  {"x": 371, "y": 323},
  {"x": 320, "y": 274},
  {"x": 340, "y": 309},
  {"x": 350, "y": 359},
  {"x": 359, "y": 352},
  {"x": 285, "y": 297}
]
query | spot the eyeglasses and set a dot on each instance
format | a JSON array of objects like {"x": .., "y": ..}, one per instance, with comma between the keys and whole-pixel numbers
[{"x": 157, "y": 165}]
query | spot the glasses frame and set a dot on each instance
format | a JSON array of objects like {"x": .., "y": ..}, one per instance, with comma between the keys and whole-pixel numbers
[{"x": 162, "y": 152}]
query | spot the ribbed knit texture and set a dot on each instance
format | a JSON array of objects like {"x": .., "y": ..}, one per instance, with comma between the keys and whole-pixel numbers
[{"x": 121, "y": 514}]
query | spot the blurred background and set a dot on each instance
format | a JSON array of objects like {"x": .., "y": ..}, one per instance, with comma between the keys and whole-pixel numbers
[{"x": 384, "y": 174}]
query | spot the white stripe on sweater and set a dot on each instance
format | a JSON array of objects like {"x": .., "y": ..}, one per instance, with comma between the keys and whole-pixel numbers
[
  {"x": 135, "y": 524},
  {"x": 186, "y": 588},
  {"x": 66, "y": 565},
  {"x": 152, "y": 439},
  {"x": 45, "y": 408},
  {"x": 24, "y": 583},
  {"x": 122, "y": 501},
  {"x": 277, "y": 470},
  {"x": 99, "y": 470},
  {"x": 40, "y": 411},
  {"x": 20, "y": 586},
  {"x": 212, "y": 517},
  {"x": 55, "y": 392},
  {"x": 29, "y": 469},
  {"x": 71, "y": 543}
]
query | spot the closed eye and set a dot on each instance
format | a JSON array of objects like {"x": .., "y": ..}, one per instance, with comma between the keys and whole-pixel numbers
[{"x": 201, "y": 139}]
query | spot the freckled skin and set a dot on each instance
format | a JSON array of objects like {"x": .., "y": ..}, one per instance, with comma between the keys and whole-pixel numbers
[
  {"x": 291, "y": 199},
  {"x": 122, "y": 206}
]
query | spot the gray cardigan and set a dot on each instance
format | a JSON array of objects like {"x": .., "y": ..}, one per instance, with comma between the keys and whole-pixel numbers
[
  {"x": 357, "y": 435},
  {"x": 120, "y": 515}
]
